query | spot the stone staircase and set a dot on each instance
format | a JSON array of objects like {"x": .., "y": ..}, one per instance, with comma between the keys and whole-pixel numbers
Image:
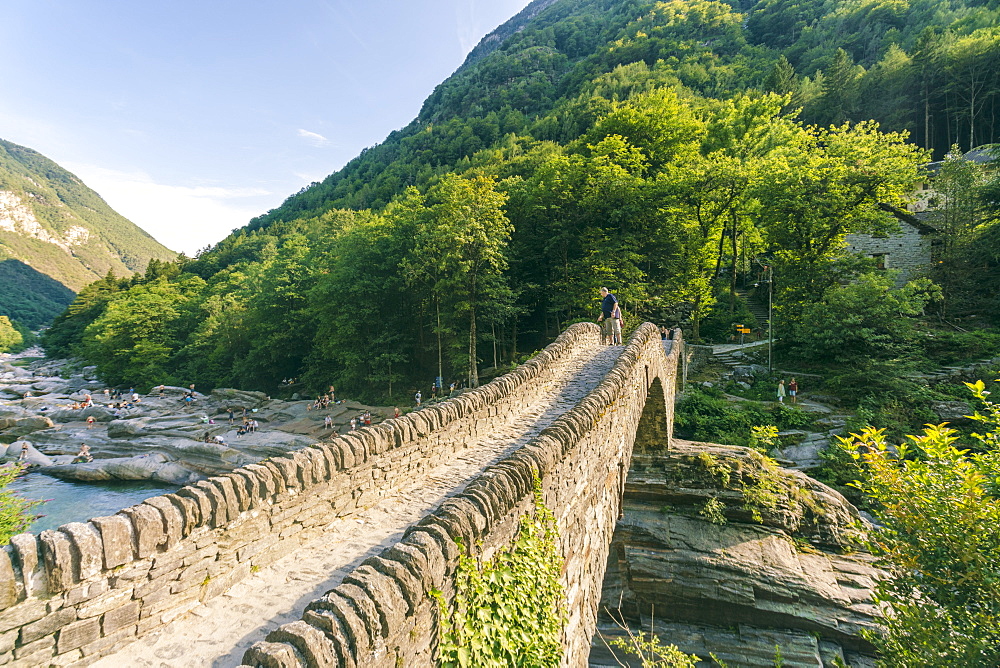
[
  {"x": 758, "y": 309},
  {"x": 735, "y": 357}
]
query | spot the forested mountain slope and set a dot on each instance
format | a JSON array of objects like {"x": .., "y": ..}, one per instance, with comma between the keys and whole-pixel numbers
[
  {"x": 660, "y": 148},
  {"x": 55, "y": 228}
]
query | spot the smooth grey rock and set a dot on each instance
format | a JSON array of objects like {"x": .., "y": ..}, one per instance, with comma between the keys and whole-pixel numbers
[{"x": 153, "y": 466}]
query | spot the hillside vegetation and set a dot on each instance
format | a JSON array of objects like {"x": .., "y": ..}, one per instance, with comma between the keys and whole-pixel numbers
[
  {"x": 659, "y": 148},
  {"x": 56, "y": 236}
]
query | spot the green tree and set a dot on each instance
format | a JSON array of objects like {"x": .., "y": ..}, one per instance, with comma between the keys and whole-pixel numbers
[
  {"x": 958, "y": 215},
  {"x": 840, "y": 88},
  {"x": 821, "y": 186},
  {"x": 16, "y": 513},
  {"x": 462, "y": 244},
  {"x": 939, "y": 539},
  {"x": 781, "y": 79},
  {"x": 9, "y": 336},
  {"x": 134, "y": 339}
]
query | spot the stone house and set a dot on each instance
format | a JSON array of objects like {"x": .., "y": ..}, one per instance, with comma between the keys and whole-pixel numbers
[{"x": 910, "y": 250}]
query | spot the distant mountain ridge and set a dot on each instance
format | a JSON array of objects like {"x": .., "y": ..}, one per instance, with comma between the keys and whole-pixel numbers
[
  {"x": 496, "y": 38},
  {"x": 52, "y": 225}
]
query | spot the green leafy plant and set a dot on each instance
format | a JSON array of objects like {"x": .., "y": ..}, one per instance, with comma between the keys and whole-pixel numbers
[
  {"x": 939, "y": 538},
  {"x": 508, "y": 610},
  {"x": 713, "y": 511},
  {"x": 652, "y": 652},
  {"x": 763, "y": 438},
  {"x": 15, "y": 511}
]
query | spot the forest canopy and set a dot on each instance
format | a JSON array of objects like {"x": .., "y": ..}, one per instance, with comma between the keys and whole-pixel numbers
[{"x": 658, "y": 148}]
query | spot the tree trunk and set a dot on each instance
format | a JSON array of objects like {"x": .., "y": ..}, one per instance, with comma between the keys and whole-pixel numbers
[
  {"x": 696, "y": 320},
  {"x": 473, "y": 364},
  {"x": 437, "y": 305},
  {"x": 732, "y": 274}
]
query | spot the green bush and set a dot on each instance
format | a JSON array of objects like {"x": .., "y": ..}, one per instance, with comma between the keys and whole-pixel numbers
[
  {"x": 946, "y": 347},
  {"x": 706, "y": 415}
]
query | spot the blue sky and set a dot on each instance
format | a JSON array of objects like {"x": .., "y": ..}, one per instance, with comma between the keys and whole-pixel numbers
[{"x": 190, "y": 118}]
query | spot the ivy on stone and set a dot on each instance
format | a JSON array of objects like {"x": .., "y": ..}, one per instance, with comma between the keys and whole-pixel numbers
[{"x": 508, "y": 610}]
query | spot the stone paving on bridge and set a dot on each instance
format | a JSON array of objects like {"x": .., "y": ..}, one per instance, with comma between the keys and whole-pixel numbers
[{"x": 218, "y": 632}]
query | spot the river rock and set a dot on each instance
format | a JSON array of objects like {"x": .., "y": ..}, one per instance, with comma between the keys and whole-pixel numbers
[
  {"x": 238, "y": 398},
  {"x": 14, "y": 428},
  {"x": 152, "y": 466},
  {"x": 183, "y": 426},
  {"x": 98, "y": 412},
  {"x": 14, "y": 391},
  {"x": 729, "y": 584},
  {"x": 805, "y": 454},
  {"x": 32, "y": 458}
]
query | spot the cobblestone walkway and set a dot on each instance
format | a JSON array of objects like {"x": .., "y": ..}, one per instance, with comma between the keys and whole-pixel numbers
[{"x": 218, "y": 632}]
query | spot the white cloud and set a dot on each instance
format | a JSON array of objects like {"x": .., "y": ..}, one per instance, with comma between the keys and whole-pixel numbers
[
  {"x": 182, "y": 218},
  {"x": 313, "y": 138}
]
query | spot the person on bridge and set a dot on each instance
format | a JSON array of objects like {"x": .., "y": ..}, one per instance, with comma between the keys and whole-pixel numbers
[{"x": 611, "y": 317}]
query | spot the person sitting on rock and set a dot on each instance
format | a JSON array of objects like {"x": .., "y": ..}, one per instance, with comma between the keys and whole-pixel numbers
[
  {"x": 241, "y": 431},
  {"x": 82, "y": 457}
]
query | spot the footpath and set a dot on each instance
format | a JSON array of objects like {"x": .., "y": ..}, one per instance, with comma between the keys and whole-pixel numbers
[{"x": 218, "y": 632}]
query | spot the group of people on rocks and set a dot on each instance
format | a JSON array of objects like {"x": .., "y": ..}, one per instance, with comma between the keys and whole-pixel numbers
[
  {"x": 363, "y": 420},
  {"x": 321, "y": 403}
]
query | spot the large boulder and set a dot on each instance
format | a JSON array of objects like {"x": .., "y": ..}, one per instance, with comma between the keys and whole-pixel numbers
[
  {"x": 727, "y": 582},
  {"x": 13, "y": 428},
  {"x": 32, "y": 457},
  {"x": 152, "y": 466},
  {"x": 98, "y": 412},
  {"x": 226, "y": 396},
  {"x": 805, "y": 454},
  {"x": 183, "y": 426}
]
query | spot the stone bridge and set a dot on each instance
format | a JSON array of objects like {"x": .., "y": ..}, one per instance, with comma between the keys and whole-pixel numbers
[{"x": 326, "y": 556}]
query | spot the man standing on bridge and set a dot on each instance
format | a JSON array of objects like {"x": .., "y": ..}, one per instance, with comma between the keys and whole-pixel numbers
[{"x": 611, "y": 317}]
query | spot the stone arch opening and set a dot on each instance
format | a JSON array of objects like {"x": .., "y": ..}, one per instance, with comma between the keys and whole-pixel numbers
[{"x": 653, "y": 433}]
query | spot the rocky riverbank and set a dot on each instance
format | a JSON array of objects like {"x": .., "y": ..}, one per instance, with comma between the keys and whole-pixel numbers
[
  {"x": 161, "y": 437},
  {"x": 726, "y": 554}
]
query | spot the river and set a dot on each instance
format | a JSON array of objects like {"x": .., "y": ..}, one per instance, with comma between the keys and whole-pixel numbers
[{"x": 67, "y": 501}]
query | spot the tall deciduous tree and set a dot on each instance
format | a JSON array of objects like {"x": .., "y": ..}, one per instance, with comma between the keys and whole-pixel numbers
[
  {"x": 462, "y": 242},
  {"x": 9, "y": 336},
  {"x": 822, "y": 186}
]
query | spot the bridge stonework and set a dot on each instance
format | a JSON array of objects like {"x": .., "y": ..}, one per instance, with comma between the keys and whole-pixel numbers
[
  {"x": 382, "y": 614},
  {"x": 88, "y": 589}
]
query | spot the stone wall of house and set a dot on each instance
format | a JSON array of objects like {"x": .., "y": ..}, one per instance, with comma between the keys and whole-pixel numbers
[
  {"x": 383, "y": 615},
  {"x": 71, "y": 595},
  {"x": 909, "y": 251}
]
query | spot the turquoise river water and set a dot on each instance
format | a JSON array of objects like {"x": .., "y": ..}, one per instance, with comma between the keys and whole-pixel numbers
[{"x": 67, "y": 501}]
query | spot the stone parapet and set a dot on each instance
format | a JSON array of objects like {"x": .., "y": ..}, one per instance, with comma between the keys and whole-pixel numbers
[
  {"x": 382, "y": 615},
  {"x": 86, "y": 589}
]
